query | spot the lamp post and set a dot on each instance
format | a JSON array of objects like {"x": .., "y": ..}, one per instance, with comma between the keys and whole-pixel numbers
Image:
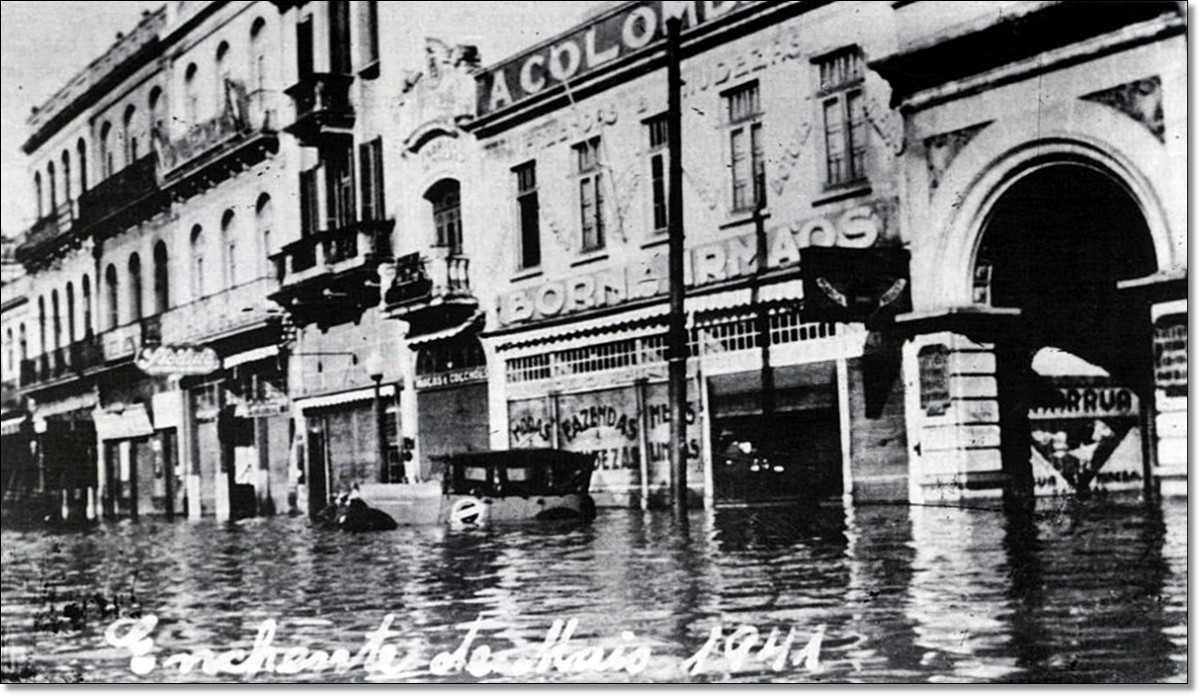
[{"x": 374, "y": 365}]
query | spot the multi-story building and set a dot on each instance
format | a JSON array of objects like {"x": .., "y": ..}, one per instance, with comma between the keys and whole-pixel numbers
[
  {"x": 18, "y": 469},
  {"x": 153, "y": 366}
]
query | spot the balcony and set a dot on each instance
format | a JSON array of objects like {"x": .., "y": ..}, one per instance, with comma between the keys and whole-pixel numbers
[
  {"x": 433, "y": 290},
  {"x": 231, "y": 312},
  {"x": 48, "y": 235},
  {"x": 323, "y": 108},
  {"x": 123, "y": 342},
  {"x": 123, "y": 199},
  {"x": 331, "y": 276},
  {"x": 219, "y": 148},
  {"x": 61, "y": 364}
]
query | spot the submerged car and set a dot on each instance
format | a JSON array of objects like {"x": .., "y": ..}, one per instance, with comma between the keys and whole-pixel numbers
[{"x": 480, "y": 488}]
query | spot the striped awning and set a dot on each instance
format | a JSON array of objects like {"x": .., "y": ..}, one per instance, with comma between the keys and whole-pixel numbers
[
  {"x": 249, "y": 356},
  {"x": 423, "y": 339},
  {"x": 346, "y": 397},
  {"x": 12, "y": 426}
]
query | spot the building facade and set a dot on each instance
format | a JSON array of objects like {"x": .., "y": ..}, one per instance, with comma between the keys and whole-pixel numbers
[{"x": 273, "y": 261}]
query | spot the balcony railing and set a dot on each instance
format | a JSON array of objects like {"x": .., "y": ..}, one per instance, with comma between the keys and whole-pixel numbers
[
  {"x": 119, "y": 193},
  {"x": 443, "y": 273},
  {"x": 323, "y": 107},
  {"x": 230, "y": 311},
  {"x": 47, "y": 231},
  {"x": 334, "y": 250},
  {"x": 62, "y": 362}
]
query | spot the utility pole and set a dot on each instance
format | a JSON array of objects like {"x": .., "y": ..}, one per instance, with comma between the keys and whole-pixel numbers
[{"x": 677, "y": 340}]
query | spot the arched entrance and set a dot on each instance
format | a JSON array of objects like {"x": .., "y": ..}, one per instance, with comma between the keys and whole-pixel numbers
[{"x": 1055, "y": 245}]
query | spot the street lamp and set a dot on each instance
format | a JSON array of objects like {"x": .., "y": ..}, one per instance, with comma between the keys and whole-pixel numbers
[{"x": 374, "y": 365}]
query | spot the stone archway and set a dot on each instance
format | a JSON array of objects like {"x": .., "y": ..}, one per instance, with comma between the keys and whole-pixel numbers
[{"x": 1054, "y": 245}]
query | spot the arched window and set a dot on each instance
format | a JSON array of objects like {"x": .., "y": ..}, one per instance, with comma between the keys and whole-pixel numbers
[
  {"x": 66, "y": 175},
  {"x": 135, "y": 287},
  {"x": 263, "y": 221},
  {"x": 131, "y": 143},
  {"x": 52, "y": 201},
  {"x": 258, "y": 54},
  {"x": 42, "y": 323},
  {"x": 152, "y": 111},
  {"x": 22, "y": 342},
  {"x": 229, "y": 247},
  {"x": 197, "y": 262},
  {"x": 447, "y": 214},
  {"x": 191, "y": 100},
  {"x": 81, "y": 151},
  {"x": 85, "y": 287},
  {"x": 162, "y": 294},
  {"x": 56, "y": 318},
  {"x": 110, "y": 283},
  {"x": 222, "y": 72},
  {"x": 70, "y": 312},
  {"x": 9, "y": 350},
  {"x": 37, "y": 186},
  {"x": 106, "y": 155}
]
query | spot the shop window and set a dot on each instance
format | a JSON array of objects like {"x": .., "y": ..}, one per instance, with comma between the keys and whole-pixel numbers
[
  {"x": 656, "y": 129},
  {"x": 843, "y": 116},
  {"x": 743, "y": 112},
  {"x": 452, "y": 355},
  {"x": 529, "y": 215},
  {"x": 591, "y": 194}
]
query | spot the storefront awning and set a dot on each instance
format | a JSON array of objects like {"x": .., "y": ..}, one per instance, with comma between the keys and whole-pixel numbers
[
  {"x": 471, "y": 321},
  {"x": 133, "y": 422},
  {"x": 12, "y": 426},
  {"x": 250, "y": 356},
  {"x": 346, "y": 397},
  {"x": 45, "y": 409}
]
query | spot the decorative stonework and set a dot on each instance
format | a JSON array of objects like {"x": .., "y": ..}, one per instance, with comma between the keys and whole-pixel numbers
[
  {"x": 941, "y": 149},
  {"x": 1140, "y": 100}
]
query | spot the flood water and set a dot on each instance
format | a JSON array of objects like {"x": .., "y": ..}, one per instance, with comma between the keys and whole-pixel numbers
[{"x": 1093, "y": 591}]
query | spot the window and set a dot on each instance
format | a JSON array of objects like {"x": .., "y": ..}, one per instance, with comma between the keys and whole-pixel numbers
[
  {"x": 369, "y": 36},
  {"x": 57, "y": 318},
  {"x": 66, "y": 175},
  {"x": 744, "y": 114},
  {"x": 70, "y": 312},
  {"x": 229, "y": 246},
  {"x": 23, "y": 342},
  {"x": 444, "y": 196},
  {"x": 135, "y": 287},
  {"x": 263, "y": 221},
  {"x": 106, "y": 155},
  {"x": 339, "y": 37},
  {"x": 340, "y": 194},
  {"x": 591, "y": 194},
  {"x": 42, "y": 323},
  {"x": 197, "y": 262},
  {"x": 529, "y": 215},
  {"x": 844, "y": 118},
  {"x": 656, "y": 128},
  {"x": 85, "y": 287},
  {"x": 81, "y": 150},
  {"x": 304, "y": 47},
  {"x": 131, "y": 144},
  {"x": 8, "y": 350},
  {"x": 309, "y": 205},
  {"x": 37, "y": 185},
  {"x": 50, "y": 177},
  {"x": 162, "y": 288},
  {"x": 110, "y": 282},
  {"x": 370, "y": 162},
  {"x": 191, "y": 99},
  {"x": 152, "y": 108}
]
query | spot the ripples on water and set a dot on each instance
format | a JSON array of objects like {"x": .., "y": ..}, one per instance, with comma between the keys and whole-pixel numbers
[{"x": 1093, "y": 592}]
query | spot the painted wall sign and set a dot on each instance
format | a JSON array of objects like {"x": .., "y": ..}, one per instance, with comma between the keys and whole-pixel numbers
[
  {"x": 733, "y": 257},
  {"x": 610, "y": 37},
  {"x": 933, "y": 365},
  {"x": 1170, "y": 355},
  {"x": 1091, "y": 442},
  {"x": 467, "y": 375},
  {"x": 178, "y": 360}
]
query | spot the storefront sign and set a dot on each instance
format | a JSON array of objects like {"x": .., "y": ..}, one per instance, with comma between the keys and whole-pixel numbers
[
  {"x": 735, "y": 257},
  {"x": 933, "y": 365},
  {"x": 1090, "y": 442},
  {"x": 450, "y": 378},
  {"x": 1170, "y": 355},
  {"x": 131, "y": 422},
  {"x": 262, "y": 408},
  {"x": 608, "y": 38},
  {"x": 178, "y": 360}
]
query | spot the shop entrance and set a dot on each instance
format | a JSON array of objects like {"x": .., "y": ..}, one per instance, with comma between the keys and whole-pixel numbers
[
  {"x": 1055, "y": 245},
  {"x": 791, "y": 454}
]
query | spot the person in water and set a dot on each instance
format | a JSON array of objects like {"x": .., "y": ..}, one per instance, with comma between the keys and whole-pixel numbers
[{"x": 356, "y": 516}]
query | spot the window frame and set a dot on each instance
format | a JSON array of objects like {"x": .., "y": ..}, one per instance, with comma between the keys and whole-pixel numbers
[
  {"x": 527, "y": 194},
  {"x": 838, "y": 88},
  {"x": 589, "y": 175},
  {"x": 745, "y": 124},
  {"x": 659, "y": 157}
]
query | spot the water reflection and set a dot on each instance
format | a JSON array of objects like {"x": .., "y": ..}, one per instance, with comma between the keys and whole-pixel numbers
[{"x": 1090, "y": 591}]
